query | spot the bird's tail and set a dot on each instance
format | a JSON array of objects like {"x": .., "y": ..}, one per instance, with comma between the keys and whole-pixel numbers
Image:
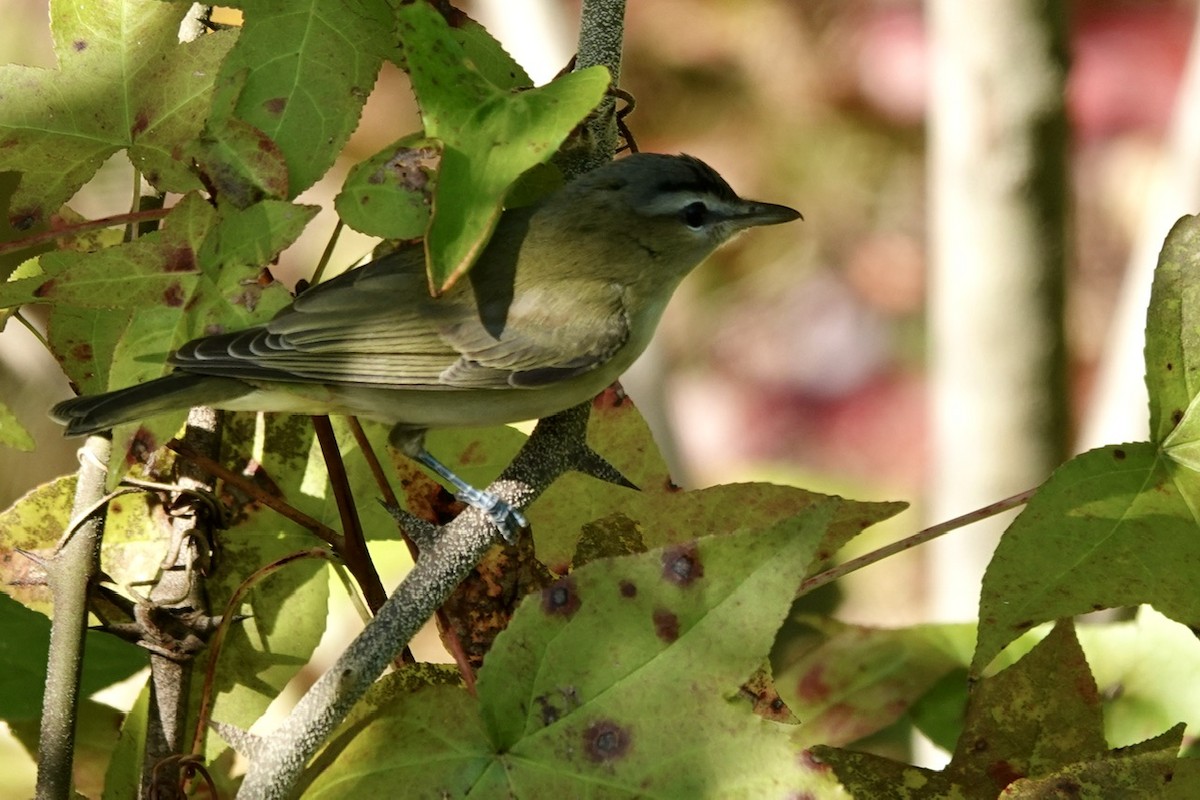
[{"x": 178, "y": 390}]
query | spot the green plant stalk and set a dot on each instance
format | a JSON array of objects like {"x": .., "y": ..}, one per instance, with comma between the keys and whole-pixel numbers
[{"x": 69, "y": 573}]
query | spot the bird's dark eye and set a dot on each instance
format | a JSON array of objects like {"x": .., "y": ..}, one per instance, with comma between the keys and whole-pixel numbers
[{"x": 695, "y": 214}]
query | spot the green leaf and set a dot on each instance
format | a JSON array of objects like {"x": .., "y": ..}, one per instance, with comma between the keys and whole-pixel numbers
[
  {"x": 34, "y": 522},
  {"x": 236, "y": 289},
  {"x": 83, "y": 341},
  {"x": 431, "y": 738},
  {"x": 1160, "y": 775},
  {"x": 488, "y": 56},
  {"x": 24, "y": 646},
  {"x": 12, "y": 433},
  {"x": 388, "y": 195},
  {"x": 850, "y": 682},
  {"x": 615, "y": 680},
  {"x": 158, "y": 269},
  {"x": 1028, "y": 720},
  {"x": 1173, "y": 338},
  {"x": 123, "y": 777},
  {"x": 1145, "y": 671},
  {"x": 239, "y": 163},
  {"x": 1113, "y": 527},
  {"x": 1142, "y": 669},
  {"x": 124, "y": 82},
  {"x": 490, "y": 135},
  {"x": 309, "y": 66},
  {"x": 203, "y": 272}
]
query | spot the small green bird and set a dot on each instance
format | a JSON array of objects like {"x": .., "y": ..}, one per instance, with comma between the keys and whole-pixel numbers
[{"x": 565, "y": 296}]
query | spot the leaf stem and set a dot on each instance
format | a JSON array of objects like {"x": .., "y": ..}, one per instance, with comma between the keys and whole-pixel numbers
[
  {"x": 921, "y": 537},
  {"x": 32, "y": 329},
  {"x": 30, "y": 242},
  {"x": 319, "y": 273}
]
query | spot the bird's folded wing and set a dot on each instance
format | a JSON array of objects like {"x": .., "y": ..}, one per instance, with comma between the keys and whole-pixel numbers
[{"x": 376, "y": 325}]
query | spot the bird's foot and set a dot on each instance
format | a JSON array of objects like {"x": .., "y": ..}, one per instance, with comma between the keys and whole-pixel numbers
[
  {"x": 503, "y": 515},
  {"x": 506, "y": 517}
]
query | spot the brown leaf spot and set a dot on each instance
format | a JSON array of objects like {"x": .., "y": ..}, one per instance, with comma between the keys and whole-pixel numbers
[
  {"x": 605, "y": 741},
  {"x": 812, "y": 686},
  {"x": 681, "y": 564},
  {"x": 82, "y": 352},
  {"x": 46, "y": 289},
  {"x": 140, "y": 123},
  {"x": 560, "y": 598},
  {"x": 410, "y": 169},
  {"x": 275, "y": 105},
  {"x": 173, "y": 295},
  {"x": 548, "y": 712},
  {"x": 140, "y": 448},
  {"x": 1003, "y": 773},
  {"x": 474, "y": 454},
  {"x": 1118, "y": 454},
  {"x": 79, "y": 45},
  {"x": 628, "y": 589},
  {"x": 666, "y": 625},
  {"x": 180, "y": 259},
  {"x": 23, "y": 219},
  {"x": 247, "y": 298}
]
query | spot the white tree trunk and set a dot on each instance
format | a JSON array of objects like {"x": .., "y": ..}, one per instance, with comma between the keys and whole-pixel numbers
[{"x": 998, "y": 184}]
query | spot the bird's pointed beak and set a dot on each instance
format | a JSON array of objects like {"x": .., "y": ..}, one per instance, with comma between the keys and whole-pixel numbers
[{"x": 753, "y": 213}]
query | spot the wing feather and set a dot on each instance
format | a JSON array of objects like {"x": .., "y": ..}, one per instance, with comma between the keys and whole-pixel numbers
[{"x": 377, "y": 325}]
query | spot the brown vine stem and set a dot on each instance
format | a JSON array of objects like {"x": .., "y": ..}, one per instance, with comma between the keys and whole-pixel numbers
[
  {"x": 918, "y": 538},
  {"x": 353, "y": 551},
  {"x": 228, "y": 617}
]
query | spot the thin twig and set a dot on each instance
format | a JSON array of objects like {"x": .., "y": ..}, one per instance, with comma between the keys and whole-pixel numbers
[
  {"x": 354, "y": 551},
  {"x": 82, "y": 227},
  {"x": 131, "y": 230},
  {"x": 319, "y": 272},
  {"x": 921, "y": 537},
  {"x": 364, "y": 446},
  {"x": 29, "y": 326}
]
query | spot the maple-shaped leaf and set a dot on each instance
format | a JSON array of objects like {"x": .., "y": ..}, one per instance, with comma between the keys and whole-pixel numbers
[
  {"x": 490, "y": 133},
  {"x": 124, "y": 82},
  {"x": 614, "y": 682},
  {"x": 1039, "y": 718},
  {"x": 302, "y": 70}
]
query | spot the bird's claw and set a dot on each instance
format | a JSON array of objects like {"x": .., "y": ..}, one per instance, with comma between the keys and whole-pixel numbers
[{"x": 508, "y": 519}]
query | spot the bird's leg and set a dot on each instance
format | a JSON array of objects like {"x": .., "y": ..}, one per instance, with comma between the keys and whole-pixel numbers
[{"x": 508, "y": 519}]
